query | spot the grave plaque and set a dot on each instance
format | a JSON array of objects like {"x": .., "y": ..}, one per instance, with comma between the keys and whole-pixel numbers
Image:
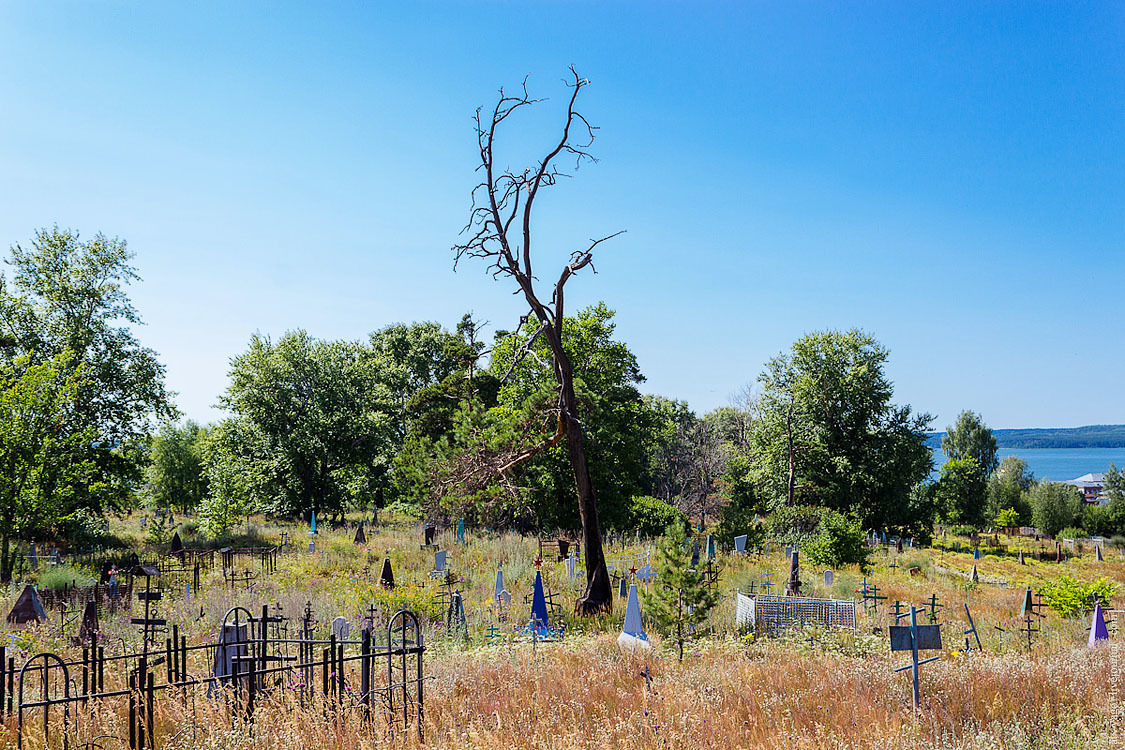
[
  {"x": 341, "y": 628},
  {"x": 828, "y": 578},
  {"x": 929, "y": 638},
  {"x": 740, "y": 544}
]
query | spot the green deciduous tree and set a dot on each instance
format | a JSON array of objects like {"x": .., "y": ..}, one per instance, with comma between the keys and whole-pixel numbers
[
  {"x": 68, "y": 295},
  {"x": 960, "y": 492},
  {"x": 234, "y": 476},
  {"x": 681, "y": 600},
  {"x": 1054, "y": 506},
  {"x": 970, "y": 437},
  {"x": 41, "y": 434},
  {"x": 313, "y": 423},
  {"x": 1008, "y": 487},
  {"x": 175, "y": 476},
  {"x": 828, "y": 434}
]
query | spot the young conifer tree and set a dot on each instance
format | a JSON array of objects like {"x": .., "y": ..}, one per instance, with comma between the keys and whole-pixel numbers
[{"x": 681, "y": 599}]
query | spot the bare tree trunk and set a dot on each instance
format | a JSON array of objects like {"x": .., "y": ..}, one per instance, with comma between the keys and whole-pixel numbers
[{"x": 500, "y": 228}]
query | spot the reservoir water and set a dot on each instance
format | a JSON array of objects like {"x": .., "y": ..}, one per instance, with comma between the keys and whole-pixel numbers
[{"x": 1057, "y": 464}]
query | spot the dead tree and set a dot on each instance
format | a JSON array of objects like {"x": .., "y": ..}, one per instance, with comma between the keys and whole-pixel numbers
[{"x": 499, "y": 231}]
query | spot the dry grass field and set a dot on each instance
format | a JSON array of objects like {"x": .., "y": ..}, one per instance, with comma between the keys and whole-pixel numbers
[{"x": 805, "y": 690}]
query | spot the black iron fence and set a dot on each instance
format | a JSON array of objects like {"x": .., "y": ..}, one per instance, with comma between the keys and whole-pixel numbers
[{"x": 253, "y": 657}]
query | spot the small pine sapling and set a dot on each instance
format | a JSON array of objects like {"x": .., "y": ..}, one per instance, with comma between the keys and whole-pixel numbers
[{"x": 682, "y": 598}]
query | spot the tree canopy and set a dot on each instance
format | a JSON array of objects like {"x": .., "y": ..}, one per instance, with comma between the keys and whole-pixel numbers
[{"x": 827, "y": 433}]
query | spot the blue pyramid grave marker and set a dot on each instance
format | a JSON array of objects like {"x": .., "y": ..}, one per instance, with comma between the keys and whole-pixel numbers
[{"x": 538, "y": 618}]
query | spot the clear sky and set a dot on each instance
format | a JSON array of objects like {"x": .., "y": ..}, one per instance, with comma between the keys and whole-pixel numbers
[{"x": 948, "y": 176}]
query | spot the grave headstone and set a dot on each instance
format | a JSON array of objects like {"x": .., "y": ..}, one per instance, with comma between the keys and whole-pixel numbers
[
  {"x": 88, "y": 630},
  {"x": 829, "y": 576},
  {"x": 176, "y": 548},
  {"x": 28, "y": 608},
  {"x": 1021, "y": 562},
  {"x": 460, "y": 530},
  {"x": 883, "y": 539},
  {"x": 898, "y": 546},
  {"x": 695, "y": 555},
  {"x": 428, "y": 535},
  {"x": 1028, "y": 606},
  {"x": 710, "y": 547},
  {"x": 439, "y": 561},
  {"x": 312, "y": 546},
  {"x": 504, "y": 599},
  {"x": 1098, "y": 630},
  {"x": 538, "y": 621},
  {"x": 1098, "y": 553},
  {"x": 387, "y": 576},
  {"x": 312, "y": 524},
  {"x": 571, "y": 566},
  {"x": 231, "y": 647},
  {"x": 788, "y": 552},
  {"x": 622, "y": 591},
  {"x": 499, "y": 583},
  {"x": 341, "y": 628},
  {"x": 740, "y": 544},
  {"x": 633, "y": 632},
  {"x": 564, "y": 549},
  {"x": 56, "y": 558},
  {"x": 793, "y": 587},
  {"x": 360, "y": 536},
  {"x": 975, "y": 578},
  {"x": 976, "y": 553},
  {"x": 33, "y": 558}
]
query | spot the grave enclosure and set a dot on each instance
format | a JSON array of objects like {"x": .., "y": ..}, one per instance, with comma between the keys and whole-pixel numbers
[{"x": 252, "y": 660}]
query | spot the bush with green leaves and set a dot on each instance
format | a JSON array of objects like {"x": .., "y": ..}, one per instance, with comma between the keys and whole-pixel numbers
[
  {"x": 962, "y": 530},
  {"x": 1072, "y": 532},
  {"x": 1071, "y": 598},
  {"x": 681, "y": 600},
  {"x": 62, "y": 576},
  {"x": 1008, "y": 518},
  {"x": 1054, "y": 506},
  {"x": 651, "y": 516},
  {"x": 839, "y": 541}
]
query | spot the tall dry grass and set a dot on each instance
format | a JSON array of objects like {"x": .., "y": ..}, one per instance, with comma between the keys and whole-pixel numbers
[{"x": 729, "y": 692}]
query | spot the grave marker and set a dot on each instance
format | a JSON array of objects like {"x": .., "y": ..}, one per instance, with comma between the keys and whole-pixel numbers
[
  {"x": 740, "y": 544},
  {"x": 633, "y": 632},
  {"x": 341, "y": 628},
  {"x": 538, "y": 625},
  {"x": 1098, "y": 631},
  {"x": 710, "y": 547},
  {"x": 439, "y": 563},
  {"x": 460, "y": 531},
  {"x": 793, "y": 587},
  {"x": 428, "y": 535},
  {"x": 387, "y": 576},
  {"x": 646, "y": 574},
  {"x": 28, "y": 608},
  {"x": 829, "y": 577},
  {"x": 915, "y": 638},
  {"x": 360, "y": 536}
]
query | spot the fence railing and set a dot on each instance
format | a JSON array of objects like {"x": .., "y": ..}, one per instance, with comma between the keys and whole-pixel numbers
[{"x": 253, "y": 657}]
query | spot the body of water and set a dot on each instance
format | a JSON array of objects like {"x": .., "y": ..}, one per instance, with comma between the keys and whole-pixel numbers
[{"x": 1057, "y": 464}]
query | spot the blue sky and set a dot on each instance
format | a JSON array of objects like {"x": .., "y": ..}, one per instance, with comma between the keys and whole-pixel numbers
[{"x": 949, "y": 177}]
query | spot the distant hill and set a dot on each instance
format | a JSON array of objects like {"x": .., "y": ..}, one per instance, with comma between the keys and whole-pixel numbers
[{"x": 1091, "y": 436}]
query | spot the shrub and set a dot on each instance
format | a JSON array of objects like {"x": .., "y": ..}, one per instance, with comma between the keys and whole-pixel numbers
[
  {"x": 962, "y": 530},
  {"x": 1070, "y": 598},
  {"x": 796, "y": 525},
  {"x": 1072, "y": 532},
  {"x": 652, "y": 516},
  {"x": 839, "y": 541},
  {"x": 61, "y": 576}
]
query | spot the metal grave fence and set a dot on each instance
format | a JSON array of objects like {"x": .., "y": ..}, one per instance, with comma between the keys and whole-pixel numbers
[{"x": 774, "y": 614}]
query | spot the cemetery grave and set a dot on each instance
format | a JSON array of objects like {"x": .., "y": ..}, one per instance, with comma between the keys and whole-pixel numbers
[{"x": 254, "y": 634}]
